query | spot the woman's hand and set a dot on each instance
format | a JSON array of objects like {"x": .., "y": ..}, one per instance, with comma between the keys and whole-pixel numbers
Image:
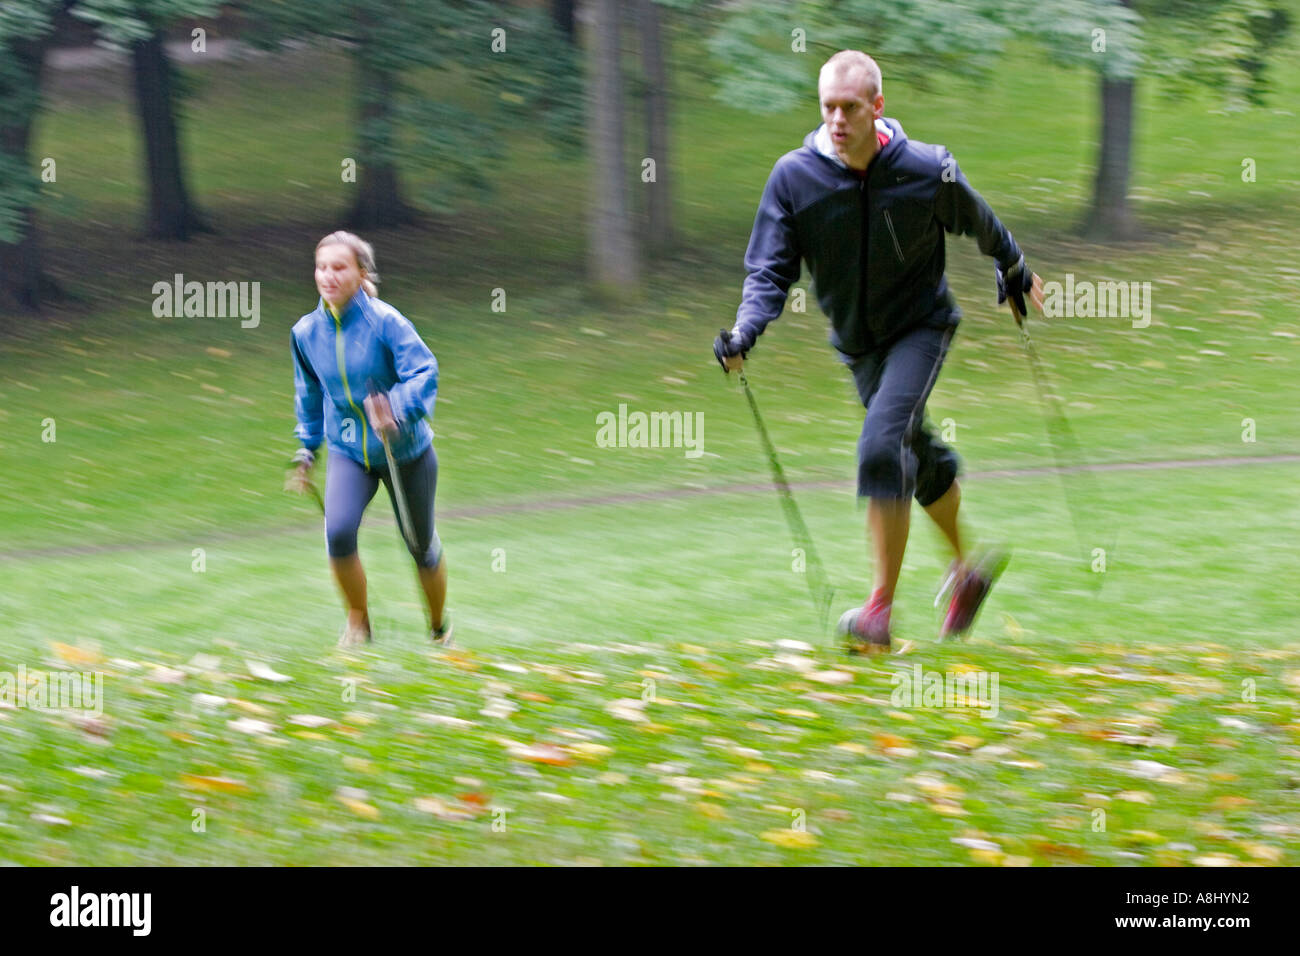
[
  {"x": 297, "y": 480},
  {"x": 380, "y": 414}
]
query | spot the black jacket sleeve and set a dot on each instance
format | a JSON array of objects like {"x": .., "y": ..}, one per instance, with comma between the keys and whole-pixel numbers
[
  {"x": 963, "y": 212},
  {"x": 771, "y": 261}
]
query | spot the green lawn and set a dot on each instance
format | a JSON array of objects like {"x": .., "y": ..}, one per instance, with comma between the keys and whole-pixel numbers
[{"x": 1162, "y": 691}]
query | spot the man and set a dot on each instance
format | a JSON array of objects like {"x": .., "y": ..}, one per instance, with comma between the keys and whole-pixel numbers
[{"x": 867, "y": 209}]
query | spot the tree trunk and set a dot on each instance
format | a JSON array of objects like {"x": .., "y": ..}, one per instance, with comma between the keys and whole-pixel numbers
[
  {"x": 171, "y": 215},
  {"x": 1110, "y": 216},
  {"x": 611, "y": 247},
  {"x": 23, "y": 285},
  {"x": 563, "y": 13},
  {"x": 659, "y": 231},
  {"x": 379, "y": 203}
]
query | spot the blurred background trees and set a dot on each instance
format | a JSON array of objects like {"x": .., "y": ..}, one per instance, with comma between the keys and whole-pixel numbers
[{"x": 440, "y": 87}]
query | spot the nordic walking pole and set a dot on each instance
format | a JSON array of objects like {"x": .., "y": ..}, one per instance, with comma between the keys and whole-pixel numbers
[
  {"x": 403, "y": 514},
  {"x": 1059, "y": 433},
  {"x": 818, "y": 583}
]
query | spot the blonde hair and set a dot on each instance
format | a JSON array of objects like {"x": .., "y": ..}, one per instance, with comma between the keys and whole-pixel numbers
[
  {"x": 363, "y": 252},
  {"x": 848, "y": 62}
]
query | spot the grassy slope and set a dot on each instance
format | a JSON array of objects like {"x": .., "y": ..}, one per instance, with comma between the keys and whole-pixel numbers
[{"x": 153, "y": 461}]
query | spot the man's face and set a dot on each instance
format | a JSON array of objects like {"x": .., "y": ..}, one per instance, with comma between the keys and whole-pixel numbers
[{"x": 848, "y": 112}]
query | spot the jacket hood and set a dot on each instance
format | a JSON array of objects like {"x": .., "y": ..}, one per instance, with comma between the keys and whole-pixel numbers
[{"x": 819, "y": 140}]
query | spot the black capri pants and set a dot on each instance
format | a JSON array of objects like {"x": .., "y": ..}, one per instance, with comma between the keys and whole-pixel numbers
[
  {"x": 349, "y": 488},
  {"x": 898, "y": 454}
]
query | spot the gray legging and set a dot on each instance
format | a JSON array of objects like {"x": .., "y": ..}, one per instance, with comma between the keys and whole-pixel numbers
[{"x": 349, "y": 488}]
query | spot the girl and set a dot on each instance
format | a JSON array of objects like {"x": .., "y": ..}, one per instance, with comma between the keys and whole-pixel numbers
[{"x": 353, "y": 352}]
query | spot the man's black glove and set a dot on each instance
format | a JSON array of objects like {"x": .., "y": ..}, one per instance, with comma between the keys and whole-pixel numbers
[
  {"x": 731, "y": 342},
  {"x": 1015, "y": 284}
]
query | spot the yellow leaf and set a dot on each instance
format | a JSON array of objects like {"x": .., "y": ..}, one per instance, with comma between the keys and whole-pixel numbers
[
  {"x": 1260, "y": 851},
  {"x": 790, "y": 839},
  {"x": 1231, "y": 802},
  {"x": 218, "y": 784},
  {"x": 248, "y": 707},
  {"x": 590, "y": 752},
  {"x": 711, "y": 810},
  {"x": 76, "y": 655},
  {"x": 797, "y": 712},
  {"x": 359, "y": 807},
  {"x": 1135, "y": 796}
]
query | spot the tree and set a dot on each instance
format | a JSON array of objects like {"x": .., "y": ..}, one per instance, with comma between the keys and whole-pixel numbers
[
  {"x": 659, "y": 200},
  {"x": 141, "y": 26},
  {"x": 25, "y": 30},
  {"x": 1223, "y": 44},
  {"x": 564, "y": 15},
  {"x": 435, "y": 86},
  {"x": 612, "y": 253}
]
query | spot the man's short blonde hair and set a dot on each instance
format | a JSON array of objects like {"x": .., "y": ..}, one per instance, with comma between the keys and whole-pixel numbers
[{"x": 855, "y": 63}]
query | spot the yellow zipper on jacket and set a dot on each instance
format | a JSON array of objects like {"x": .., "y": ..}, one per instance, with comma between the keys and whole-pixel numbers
[{"x": 343, "y": 374}]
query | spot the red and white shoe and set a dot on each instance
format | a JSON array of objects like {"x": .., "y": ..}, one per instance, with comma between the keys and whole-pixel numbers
[
  {"x": 866, "y": 628},
  {"x": 970, "y": 585}
]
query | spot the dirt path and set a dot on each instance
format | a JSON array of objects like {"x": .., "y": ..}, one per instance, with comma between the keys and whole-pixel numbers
[{"x": 635, "y": 497}]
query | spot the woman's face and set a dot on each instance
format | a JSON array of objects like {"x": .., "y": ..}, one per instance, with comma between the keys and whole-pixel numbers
[{"x": 337, "y": 274}]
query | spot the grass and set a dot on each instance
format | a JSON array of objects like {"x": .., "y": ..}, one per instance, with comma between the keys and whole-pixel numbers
[{"x": 1166, "y": 698}]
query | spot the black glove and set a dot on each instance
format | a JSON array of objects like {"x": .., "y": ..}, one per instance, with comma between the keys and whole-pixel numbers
[
  {"x": 1015, "y": 284},
  {"x": 731, "y": 342}
]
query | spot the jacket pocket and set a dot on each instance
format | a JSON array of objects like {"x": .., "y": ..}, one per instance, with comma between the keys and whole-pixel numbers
[{"x": 889, "y": 222}]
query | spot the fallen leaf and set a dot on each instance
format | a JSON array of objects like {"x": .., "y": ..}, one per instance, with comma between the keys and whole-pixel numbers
[
  {"x": 355, "y": 800},
  {"x": 628, "y": 708},
  {"x": 309, "y": 720},
  {"x": 218, "y": 784},
  {"x": 76, "y": 655},
  {"x": 1231, "y": 802},
  {"x": 248, "y": 725},
  {"x": 265, "y": 672},
  {"x": 540, "y": 753},
  {"x": 790, "y": 839},
  {"x": 442, "y": 810}
]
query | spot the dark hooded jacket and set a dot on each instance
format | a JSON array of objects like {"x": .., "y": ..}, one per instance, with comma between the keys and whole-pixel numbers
[{"x": 874, "y": 244}]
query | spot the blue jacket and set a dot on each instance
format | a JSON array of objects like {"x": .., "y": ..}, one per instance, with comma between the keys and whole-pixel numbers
[
  {"x": 334, "y": 359},
  {"x": 874, "y": 245}
]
